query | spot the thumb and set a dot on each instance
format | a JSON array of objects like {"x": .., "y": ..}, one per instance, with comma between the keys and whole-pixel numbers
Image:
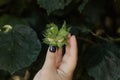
[{"x": 50, "y": 61}]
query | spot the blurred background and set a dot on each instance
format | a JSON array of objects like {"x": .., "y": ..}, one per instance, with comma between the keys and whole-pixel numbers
[{"x": 96, "y": 24}]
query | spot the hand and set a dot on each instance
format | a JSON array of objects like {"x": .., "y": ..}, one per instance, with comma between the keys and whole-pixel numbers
[{"x": 58, "y": 67}]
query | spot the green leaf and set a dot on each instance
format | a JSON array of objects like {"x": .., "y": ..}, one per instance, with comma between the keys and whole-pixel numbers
[
  {"x": 19, "y": 44},
  {"x": 82, "y": 6},
  {"x": 52, "y": 5},
  {"x": 106, "y": 64},
  {"x": 93, "y": 10}
]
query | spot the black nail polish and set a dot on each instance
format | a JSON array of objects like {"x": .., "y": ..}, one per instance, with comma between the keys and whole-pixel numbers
[{"x": 52, "y": 49}]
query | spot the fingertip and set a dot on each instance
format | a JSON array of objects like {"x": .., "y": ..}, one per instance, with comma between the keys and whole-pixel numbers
[
  {"x": 51, "y": 52},
  {"x": 52, "y": 49},
  {"x": 74, "y": 37},
  {"x": 73, "y": 40},
  {"x": 69, "y": 35}
]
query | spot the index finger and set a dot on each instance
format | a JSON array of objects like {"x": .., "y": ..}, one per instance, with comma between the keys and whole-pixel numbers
[{"x": 69, "y": 61}]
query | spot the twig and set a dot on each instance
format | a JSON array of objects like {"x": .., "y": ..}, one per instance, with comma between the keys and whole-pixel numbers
[
  {"x": 86, "y": 40},
  {"x": 108, "y": 39}
]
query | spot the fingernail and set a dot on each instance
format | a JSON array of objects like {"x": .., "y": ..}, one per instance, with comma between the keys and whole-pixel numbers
[{"x": 52, "y": 49}]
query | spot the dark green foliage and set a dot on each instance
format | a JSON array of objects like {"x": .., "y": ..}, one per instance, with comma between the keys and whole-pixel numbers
[
  {"x": 19, "y": 46},
  {"x": 107, "y": 66},
  {"x": 96, "y": 24},
  {"x": 56, "y": 4},
  {"x": 93, "y": 9},
  {"x": 83, "y": 5}
]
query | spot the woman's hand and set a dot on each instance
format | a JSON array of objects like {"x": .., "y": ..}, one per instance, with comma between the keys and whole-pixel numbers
[{"x": 58, "y": 67}]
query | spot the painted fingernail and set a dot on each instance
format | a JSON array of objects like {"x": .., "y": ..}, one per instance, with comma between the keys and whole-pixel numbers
[{"x": 52, "y": 49}]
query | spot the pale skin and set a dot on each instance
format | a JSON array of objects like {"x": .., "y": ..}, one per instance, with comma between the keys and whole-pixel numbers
[{"x": 58, "y": 66}]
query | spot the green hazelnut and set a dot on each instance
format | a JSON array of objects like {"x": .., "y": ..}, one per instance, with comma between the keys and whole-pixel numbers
[{"x": 56, "y": 37}]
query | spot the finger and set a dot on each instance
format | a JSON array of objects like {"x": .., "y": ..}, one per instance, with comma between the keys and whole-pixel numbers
[
  {"x": 70, "y": 58},
  {"x": 50, "y": 61},
  {"x": 73, "y": 48},
  {"x": 59, "y": 57},
  {"x": 67, "y": 47}
]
